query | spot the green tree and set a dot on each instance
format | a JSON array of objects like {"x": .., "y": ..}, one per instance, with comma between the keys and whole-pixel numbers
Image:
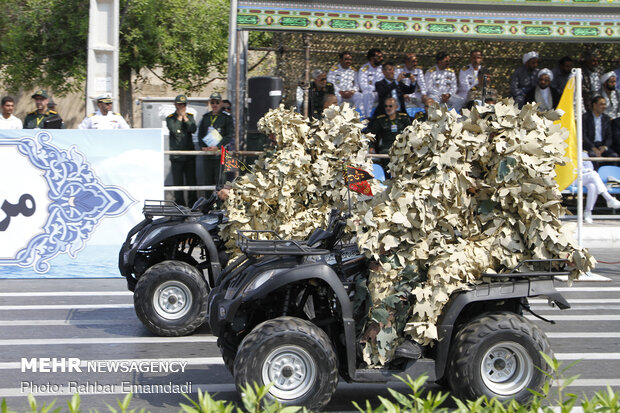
[{"x": 43, "y": 43}]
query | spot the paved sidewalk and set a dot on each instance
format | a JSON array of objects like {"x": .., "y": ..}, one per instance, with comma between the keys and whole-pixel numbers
[{"x": 604, "y": 232}]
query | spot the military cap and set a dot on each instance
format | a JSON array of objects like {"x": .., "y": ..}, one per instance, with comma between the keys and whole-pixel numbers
[
  {"x": 180, "y": 99},
  {"x": 41, "y": 93},
  {"x": 215, "y": 96},
  {"x": 107, "y": 98}
]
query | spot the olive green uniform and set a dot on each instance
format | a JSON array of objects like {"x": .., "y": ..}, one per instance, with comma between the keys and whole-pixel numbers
[
  {"x": 223, "y": 123},
  {"x": 34, "y": 120},
  {"x": 316, "y": 97},
  {"x": 385, "y": 130},
  {"x": 183, "y": 166}
]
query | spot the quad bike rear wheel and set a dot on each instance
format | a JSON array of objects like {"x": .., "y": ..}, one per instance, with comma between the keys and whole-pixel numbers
[{"x": 498, "y": 355}]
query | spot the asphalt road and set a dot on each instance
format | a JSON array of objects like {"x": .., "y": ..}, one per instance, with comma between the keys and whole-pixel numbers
[{"x": 94, "y": 320}]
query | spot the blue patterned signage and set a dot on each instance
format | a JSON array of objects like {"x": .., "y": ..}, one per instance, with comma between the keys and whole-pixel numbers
[{"x": 53, "y": 199}]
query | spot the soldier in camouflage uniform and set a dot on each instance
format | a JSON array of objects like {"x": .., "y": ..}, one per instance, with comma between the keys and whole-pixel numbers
[
  {"x": 42, "y": 116},
  {"x": 368, "y": 75},
  {"x": 344, "y": 78},
  {"x": 524, "y": 78},
  {"x": 316, "y": 94},
  {"x": 441, "y": 82}
]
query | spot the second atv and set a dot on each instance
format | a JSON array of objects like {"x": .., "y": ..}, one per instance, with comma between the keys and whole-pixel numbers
[{"x": 171, "y": 260}]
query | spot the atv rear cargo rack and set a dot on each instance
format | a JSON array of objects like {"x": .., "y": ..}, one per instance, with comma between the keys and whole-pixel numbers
[
  {"x": 545, "y": 271},
  {"x": 155, "y": 208},
  {"x": 277, "y": 246}
]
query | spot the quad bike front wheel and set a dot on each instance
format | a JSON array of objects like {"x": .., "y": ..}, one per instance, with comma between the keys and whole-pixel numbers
[
  {"x": 171, "y": 298},
  {"x": 292, "y": 354},
  {"x": 498, "y": 355}
]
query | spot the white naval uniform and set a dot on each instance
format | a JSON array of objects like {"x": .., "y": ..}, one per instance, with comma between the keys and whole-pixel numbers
[
  {"x": 468, "y": 78},
  {"x": 367, "y": 76},
  {"x": 415, "y": 98},
  {"x": 345, "y": 80},
  {"x": 13, "y": 122},
  {"x": 97, "y": 121},
  {"x": 443, "y": 81}
]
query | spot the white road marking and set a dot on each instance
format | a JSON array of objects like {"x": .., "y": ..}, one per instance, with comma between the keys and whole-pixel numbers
[
  {"x": 584, "y": 334},
  {"x": 62, "y": 306},
  {"x": 575, "y": 307},
  {"x": 66, "y": 293},
  {"x": 588, "y": 289},
  {"x": 580, "y": 301},
  {"x": 10, "y": 323},
  {"x": 107, "y": 340},
  {"x": 191, "y": 361},
  {"x": 587, "y": 356},
  {"x": 590, "y": 317}
]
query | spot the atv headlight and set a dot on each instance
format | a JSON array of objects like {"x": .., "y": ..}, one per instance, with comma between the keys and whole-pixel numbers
[{"x": 262, "y": 278}]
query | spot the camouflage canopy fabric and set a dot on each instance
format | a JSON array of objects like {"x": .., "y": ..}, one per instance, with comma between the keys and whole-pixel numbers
[
  {"x": 293, "y": 189},
  {"x": 471, "y": 195}
]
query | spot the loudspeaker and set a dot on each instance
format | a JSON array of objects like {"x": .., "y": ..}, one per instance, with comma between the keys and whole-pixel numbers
[{"x": 264, "y": 93}]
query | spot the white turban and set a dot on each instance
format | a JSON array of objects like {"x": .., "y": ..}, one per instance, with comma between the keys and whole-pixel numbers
[
  {"x": 545, "y": 71},
  {"x": 529, "y": 55},
  {"x": 606, "y": 77}
]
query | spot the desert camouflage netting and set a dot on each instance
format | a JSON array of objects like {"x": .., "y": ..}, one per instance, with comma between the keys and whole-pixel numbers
[
  {"x": 292, "y": 191},
  {"x": 471, "y": 196}
]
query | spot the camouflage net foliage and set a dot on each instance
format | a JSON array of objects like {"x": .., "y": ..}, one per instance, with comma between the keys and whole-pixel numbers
[
  {"x": 472, "y": 195},
  {"x": 293, "y": 189}
]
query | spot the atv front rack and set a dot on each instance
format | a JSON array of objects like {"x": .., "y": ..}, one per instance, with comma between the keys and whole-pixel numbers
[
  {"x": 545, "y": 269},
  {"x": 276, "y": 246},
  {"x": 154, "y": 208}
]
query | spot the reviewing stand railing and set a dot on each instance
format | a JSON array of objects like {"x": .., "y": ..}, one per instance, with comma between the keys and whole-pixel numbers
[{"x": 257, "y": 153}]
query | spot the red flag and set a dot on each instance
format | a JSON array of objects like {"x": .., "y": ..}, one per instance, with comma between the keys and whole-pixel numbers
[
  {"x": 231, "y": 163},
  {"x": 357, "y": 180}
]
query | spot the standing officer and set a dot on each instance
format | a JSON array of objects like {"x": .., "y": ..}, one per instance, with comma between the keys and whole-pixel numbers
[
  {"x": 387, "y": 126},
  {"x": 104, "y": 118},
  {"x": 181, "y": 126},
  {"x": 215, "y": 130},
  {"x": 368, "y": 75},
  {"x": 42, "y": 117},
  {"x": 344, "y": 78}
]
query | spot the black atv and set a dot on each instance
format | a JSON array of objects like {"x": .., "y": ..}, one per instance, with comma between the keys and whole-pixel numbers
[
  {"x": 170, "y": 264},
  {"x": 287, "y": 313}
]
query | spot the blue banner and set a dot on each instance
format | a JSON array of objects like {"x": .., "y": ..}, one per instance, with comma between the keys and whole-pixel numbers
[{"x": 69, "y": 197}]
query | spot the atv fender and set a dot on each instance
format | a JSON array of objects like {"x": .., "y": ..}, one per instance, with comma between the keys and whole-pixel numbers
[
  {"x": 321, "y": 272},
  {"x": 187, "y": 228},
  {"x": 496, "y": 291}
]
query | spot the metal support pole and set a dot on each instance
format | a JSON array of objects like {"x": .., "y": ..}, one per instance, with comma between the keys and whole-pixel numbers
[
  {"x": 577, "y": 108},
  {"x": 103, "y": 49},
  {"x": 237, "y": 101},
  {"x": 307, "y": 39}
]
